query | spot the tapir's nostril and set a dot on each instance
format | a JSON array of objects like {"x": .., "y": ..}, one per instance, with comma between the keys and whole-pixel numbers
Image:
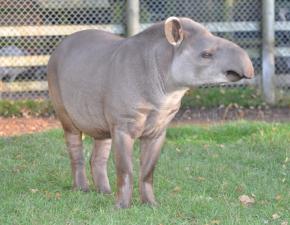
[{"x": 233, "y": 75}]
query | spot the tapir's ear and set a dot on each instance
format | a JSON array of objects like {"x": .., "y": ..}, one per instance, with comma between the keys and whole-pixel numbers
[{"x": 173, "y": 31}]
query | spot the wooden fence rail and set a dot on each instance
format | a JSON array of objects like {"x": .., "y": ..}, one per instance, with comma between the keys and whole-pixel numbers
[
  {"x": 24, "y": 86},
  {"x": 63, "y": 30}
]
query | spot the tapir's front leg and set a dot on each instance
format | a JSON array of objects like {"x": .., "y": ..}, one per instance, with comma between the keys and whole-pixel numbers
[
  {"x": 123, "y": 146},
  {"x": 150, "y": 151}
]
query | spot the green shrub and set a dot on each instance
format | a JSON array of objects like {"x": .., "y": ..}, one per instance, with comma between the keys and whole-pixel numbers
[
  {"x": 217, "y": 96},
  {"x": 19, "y": 108},
  {"x": 246, "y": 97}
]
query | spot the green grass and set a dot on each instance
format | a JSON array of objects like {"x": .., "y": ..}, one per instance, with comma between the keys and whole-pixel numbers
[{"x": 199, "y": 178}]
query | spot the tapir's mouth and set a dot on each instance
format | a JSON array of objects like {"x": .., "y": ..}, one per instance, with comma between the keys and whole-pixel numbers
[{"x": 233, "y": 76}]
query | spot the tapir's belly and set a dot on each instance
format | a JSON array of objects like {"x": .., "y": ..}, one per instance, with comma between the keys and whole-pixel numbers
[
  {"x": 96, "y": 109},
  {"x": 85, "y": 108}
]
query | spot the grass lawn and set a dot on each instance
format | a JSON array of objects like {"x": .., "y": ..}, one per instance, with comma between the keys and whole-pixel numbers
[{"x": 201, "y": 174}]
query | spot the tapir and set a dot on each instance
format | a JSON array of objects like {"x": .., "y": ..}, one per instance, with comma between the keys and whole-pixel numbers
[{"x": 117, "y": 90}]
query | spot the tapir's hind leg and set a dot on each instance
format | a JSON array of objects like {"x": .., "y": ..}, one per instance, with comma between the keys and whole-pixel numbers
[
  {"x": 72, "y": 134},
  {"x": 99, "y": 160},
  {"x": 75, "y": 149}
]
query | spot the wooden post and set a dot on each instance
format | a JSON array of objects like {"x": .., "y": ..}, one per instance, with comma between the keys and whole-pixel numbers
[
  {"x": 132, "y": 17},
  {"x": 268, "y": 65}
]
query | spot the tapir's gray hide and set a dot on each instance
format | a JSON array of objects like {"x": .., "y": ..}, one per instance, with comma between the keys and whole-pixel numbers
[{"x": 117, "y": 88}]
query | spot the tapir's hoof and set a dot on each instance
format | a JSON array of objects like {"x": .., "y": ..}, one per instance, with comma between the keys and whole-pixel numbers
[
  {"x": 83, "y": 188},
  {"x": 105, "y": 191},
  {"x": 122, "y": 205},
  {"x": 152, "y": 204}
]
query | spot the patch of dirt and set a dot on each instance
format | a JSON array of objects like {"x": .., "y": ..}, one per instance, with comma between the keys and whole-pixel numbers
[{"x": 18, "y": 126}]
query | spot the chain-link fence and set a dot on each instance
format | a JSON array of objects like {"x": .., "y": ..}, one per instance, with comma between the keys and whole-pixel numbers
[
  {"x": 30, "y": 30},
  {"x": 236, "y": 20},
  {"x": 282, "y": 44}
]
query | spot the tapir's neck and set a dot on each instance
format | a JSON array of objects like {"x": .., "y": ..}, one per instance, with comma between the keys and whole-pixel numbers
[{"x": 158, "y": 54}]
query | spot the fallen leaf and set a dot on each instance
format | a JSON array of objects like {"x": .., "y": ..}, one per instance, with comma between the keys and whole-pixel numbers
[
  {"x": 222, "y": 91},
  {"x": 215, "y": 222},
  {"x": 176, "y": 189},
  {"x": 246, "y": 200},
  {"x": 275, "y": 216},
  {"x": 33, "y": 190},
  {"x": 284, "y": 223},
  {"x": 236, "y": 105},
  {"x": 25, "y": 113},
  {"x": 47, "y": 195},
  {"x": 278, "y": 197},
  {"x": 178, "y": 214},
  {"x": 239, "y": 189},
  {"x": 215, "y": 155},
  {"x": 58, "y": 195},
  {"x": 264, "y": 202},
  {"x": 265, "y": 221},
  {"x": 200, "y": 178}
]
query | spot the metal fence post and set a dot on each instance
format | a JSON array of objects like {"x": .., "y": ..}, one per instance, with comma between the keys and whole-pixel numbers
[
  {"x": 132, "y": 17},
  {"x": 268, "y": 32}
]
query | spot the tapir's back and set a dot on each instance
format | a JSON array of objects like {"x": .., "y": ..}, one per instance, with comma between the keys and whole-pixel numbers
[{"x": 77, "y": 78}]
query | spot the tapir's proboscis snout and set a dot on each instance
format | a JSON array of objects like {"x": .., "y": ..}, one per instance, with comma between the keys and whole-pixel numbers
[
  {"x": 241, "y": 66},
  {"x": 117, "y": 90}
]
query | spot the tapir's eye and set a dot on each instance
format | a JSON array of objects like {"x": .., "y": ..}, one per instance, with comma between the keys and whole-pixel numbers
[{"x": 206, "y": 54}]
